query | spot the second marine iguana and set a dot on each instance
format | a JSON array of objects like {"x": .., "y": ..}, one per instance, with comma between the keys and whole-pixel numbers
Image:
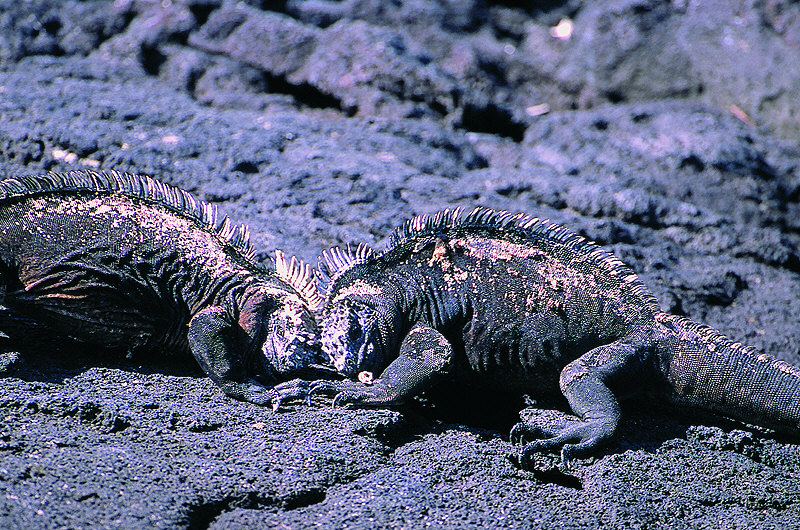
[
  {"x": 511, "y": 302},
  {"x": 128, "y": 262}
]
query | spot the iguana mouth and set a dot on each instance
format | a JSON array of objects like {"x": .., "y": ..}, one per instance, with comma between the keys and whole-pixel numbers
[
  {"x": 365, "y": 354},
  {"x": 288, "y": 356},
  {"x": 345, "y": 359},
  {"x": 291, "y": 343}
]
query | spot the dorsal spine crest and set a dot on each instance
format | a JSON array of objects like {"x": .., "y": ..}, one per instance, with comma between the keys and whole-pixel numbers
[
  {"x": 336, "y": 262},
  {"x": 139, "y": 186},
  {"x": 721, "y": 343},
  {"x": 298, "y": 275},
  {"x": 424, "y": 224}
]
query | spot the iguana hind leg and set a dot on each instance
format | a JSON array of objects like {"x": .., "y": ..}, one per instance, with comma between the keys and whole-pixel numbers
[
  {"x": 425, "y": 358},
  {"x": 586, "y": 384},
  {"x": 211, "y": 342}
]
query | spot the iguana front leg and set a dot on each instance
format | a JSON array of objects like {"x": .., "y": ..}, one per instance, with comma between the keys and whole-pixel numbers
[
  {"x": 585, "y": 384},
  {"x": 211, "y": 340},
  {"x": 425, "y": 358}
]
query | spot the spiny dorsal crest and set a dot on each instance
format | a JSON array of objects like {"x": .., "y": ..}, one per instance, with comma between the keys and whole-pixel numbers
[
  {"x": 138, "y": 186},
  {"x": 424, "y": 224},
  {"x": 721, "y": 344},
  {"x": 298, "y": 275},
  {"x": 482, "y": 217},
  {"x": 527, "y": 226},
  {"x": 336, "y": 261},
  {"x": 502, "y": 219}
]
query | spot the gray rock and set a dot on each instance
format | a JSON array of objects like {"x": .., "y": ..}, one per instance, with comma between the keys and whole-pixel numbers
[{"x": 322, "y": 123}]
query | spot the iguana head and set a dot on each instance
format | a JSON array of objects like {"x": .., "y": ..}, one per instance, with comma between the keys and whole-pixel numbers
[
  {"x": 353, "y": 332},
  {"x": 291, "y": 342},
  {"x": 352, "y": 338}
]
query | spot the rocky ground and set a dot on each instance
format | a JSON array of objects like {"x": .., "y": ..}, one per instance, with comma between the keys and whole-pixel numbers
[{"x": 664, "y": 130}]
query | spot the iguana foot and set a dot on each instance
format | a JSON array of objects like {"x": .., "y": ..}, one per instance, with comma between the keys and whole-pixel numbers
[
  {"x": 349, "y": 393},
  {"x": 249, "y": 391},
  {"x": 296, "y": 389},
  {"x": 575, "y": 439},
  {"x": 343, "y": 392}
]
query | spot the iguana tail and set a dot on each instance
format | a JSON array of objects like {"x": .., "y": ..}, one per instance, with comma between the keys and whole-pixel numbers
[{"x": 708, "y": 370}]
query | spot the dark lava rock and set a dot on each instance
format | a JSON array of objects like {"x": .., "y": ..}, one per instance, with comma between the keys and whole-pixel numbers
[{"x": 666, "y": 131}]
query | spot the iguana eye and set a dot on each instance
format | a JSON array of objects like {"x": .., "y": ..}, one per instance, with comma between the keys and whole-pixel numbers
[{"x": 354, "y": 332}]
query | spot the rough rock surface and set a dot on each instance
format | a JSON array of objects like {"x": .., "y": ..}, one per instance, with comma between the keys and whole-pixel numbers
[{"x": 666, "y": 131}]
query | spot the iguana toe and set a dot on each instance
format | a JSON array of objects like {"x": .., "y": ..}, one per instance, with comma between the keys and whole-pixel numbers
[
  {"x": 347, "y": 398},
  {"x": 296, "y": 389},
  {"x": 325, "y": 387},
  {"x": 524, "y": 431},
  {"x": 575, "y": 439}
]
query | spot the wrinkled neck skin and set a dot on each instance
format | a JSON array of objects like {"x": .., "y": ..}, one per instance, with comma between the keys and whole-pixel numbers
[
  {"x": 227, "y": 288},
  {"x": 426, "y": 300},
  {"x": 250, "y": 306},
  {"x": 392, "y": 327}
]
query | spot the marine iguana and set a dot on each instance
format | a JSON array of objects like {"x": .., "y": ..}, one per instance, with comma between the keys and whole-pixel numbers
[
  {"x": 512, "y": 302},
  {"x": 125, "y": 261}
]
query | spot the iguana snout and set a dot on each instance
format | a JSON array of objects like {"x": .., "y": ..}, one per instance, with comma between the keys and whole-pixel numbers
[
  {"x": 351, "y": 338},
  {"x": 292, "y": 340}
]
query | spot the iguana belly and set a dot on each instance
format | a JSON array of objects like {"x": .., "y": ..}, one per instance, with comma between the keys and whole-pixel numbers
[
  {"x": 101, "y": 305},
  {"x": 526, "y": 351}
]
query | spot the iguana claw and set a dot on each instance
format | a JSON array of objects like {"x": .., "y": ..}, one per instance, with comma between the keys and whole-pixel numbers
[
  {"x": 574, "y": 438},
  {"x": 323, "y": 387},
  {"x": 290, "y": 390}
]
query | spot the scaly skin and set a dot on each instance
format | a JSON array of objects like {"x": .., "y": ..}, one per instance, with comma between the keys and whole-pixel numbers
[
  {"x": 514, "y": 303},
  {"x": 126, "y": 262}
]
